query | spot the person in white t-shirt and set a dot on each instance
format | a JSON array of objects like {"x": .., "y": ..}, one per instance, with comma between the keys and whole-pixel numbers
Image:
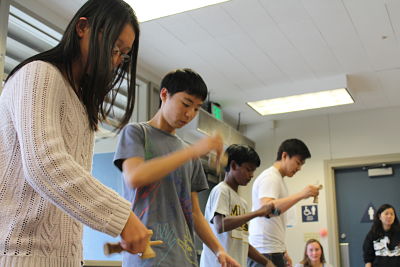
[
  {"x": 227, "y": 212},
  {"x": 267, "y": 235}
]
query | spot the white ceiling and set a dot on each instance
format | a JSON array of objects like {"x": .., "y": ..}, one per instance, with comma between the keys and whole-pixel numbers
[{"x": 248, "y": 50}]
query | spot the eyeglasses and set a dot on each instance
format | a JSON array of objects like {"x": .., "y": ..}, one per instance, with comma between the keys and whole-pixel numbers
[{"x": 117, "y": 53}]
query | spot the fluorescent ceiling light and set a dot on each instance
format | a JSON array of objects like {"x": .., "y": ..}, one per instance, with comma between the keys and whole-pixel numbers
[
  {"x": 152, "y": 9},
  {"x": 287, "y": 104}
]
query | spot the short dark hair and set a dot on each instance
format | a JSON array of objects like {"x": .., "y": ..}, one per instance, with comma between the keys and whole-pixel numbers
[
  {"x": 377, "y": 227},
  {"x": 241, "y": 154},
  {"x": 106, "y": 19},
  {"x": 294, "y": 147},
  {"x": 185, "y": 80}
]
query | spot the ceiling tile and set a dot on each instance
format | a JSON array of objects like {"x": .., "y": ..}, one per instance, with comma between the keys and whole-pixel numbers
[{"x": 374, "y": 28}]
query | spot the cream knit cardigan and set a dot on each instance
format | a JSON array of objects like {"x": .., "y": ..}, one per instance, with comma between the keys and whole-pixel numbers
[{"x": 46, "y": 190}]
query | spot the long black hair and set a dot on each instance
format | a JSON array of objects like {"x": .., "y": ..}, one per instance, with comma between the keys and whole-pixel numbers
[
  {"x": 98, "y": 89},
  {"x": 377, "y": 227}
]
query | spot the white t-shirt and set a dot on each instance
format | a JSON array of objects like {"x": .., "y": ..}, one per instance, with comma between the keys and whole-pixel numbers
[
  {"x": 225, "y": 201},
  {"x": 268, "y": 235}
]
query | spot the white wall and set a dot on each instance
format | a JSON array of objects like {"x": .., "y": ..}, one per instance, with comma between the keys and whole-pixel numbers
[{"x": 346, "y": 135}]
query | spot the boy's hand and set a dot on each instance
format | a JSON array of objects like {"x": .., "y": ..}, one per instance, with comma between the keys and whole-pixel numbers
[
  {"x": 266, "y": 210},
  {"x": 270, "y": 264},
  {"x": 310, "y": 191},
  {"x": 207, "y": 144},
  {"x": 226, "y": 260}
]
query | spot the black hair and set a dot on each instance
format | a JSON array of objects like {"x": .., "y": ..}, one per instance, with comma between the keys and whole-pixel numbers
[
  {"x": 306, "y": 260},
  {"x": 98, "y": 89},
  {"x": 293, "y": 147},
  {"x": 241, "y": 154},
  {"x": 377, "y": 227},
  {"x": 185, "y": 80}
]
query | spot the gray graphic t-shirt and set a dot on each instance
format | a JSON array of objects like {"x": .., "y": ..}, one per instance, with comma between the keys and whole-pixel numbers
[{"x": 164, "y": 206}]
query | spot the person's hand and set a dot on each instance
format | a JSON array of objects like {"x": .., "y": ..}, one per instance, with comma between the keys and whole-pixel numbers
[
  {"x": 270, "y": 264},
  {"x": 266, "y": 210},
  {"x": 310, "y": 191},
  {"x": 207, "y": 144},
  {"x": 135, "y": 235},
  {"x": 225, "y": 260},
  {"x": 288, "y": 260}
]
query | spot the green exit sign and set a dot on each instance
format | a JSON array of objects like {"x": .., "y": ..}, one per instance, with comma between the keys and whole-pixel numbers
[{"x": 216, "y": 111}]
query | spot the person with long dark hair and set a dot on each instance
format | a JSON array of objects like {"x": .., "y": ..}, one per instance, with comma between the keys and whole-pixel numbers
[
  {"x": 50, "y": 108},
  {"x": 313, "y": 255},
  {"x": 382, "y": 244}
]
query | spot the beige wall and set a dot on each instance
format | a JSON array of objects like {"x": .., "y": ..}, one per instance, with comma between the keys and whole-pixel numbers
[{"x": 346, "y": 135}]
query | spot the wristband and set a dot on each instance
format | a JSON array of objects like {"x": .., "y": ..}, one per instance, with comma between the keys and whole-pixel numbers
[{"x": 275, "y": 212}]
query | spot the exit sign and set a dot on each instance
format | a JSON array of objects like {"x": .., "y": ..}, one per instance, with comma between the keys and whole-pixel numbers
[{"x": 216, "y": 111}]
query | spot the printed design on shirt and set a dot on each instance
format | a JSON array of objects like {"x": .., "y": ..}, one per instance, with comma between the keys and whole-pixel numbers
[
  {"x": 187, "y": 246},
  {"x": 381, "y": 248},
  {"x": 237, "y": 210},
  {"x": 166, "y": 233},
  {"x": 148, "y": 191},
  {"x": 184, "y": 199},
  {"x": 242, "y": 232}
]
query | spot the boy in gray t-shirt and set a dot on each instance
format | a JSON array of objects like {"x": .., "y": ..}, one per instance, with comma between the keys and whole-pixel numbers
[{"x": 162, "y": 175}]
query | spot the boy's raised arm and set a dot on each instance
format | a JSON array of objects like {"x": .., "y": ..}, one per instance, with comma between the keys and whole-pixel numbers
[{"x": 138, "y": 172}]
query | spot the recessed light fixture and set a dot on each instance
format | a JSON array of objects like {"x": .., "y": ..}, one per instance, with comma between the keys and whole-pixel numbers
[
  {"x": 152, "y": 9},
  {"x": 316, "y": 100}
]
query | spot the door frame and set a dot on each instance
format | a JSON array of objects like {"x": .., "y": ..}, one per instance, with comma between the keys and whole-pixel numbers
[{"x": 330, "y": 166}]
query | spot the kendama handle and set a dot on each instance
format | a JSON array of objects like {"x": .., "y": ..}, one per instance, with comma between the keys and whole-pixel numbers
[
  {"x": 316, "y": 197},
  {"x": 110, "y": 248},
  {"x": 217, "y": 164}
]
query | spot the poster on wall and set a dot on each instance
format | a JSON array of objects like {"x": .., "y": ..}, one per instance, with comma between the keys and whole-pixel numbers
[{"x": 309, "y": 213}]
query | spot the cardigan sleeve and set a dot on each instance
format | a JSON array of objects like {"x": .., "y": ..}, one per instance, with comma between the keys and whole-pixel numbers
[{"x": 47, "y": 166}]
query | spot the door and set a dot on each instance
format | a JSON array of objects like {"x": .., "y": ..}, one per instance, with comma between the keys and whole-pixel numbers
[{"x": 355, "y": 191}]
